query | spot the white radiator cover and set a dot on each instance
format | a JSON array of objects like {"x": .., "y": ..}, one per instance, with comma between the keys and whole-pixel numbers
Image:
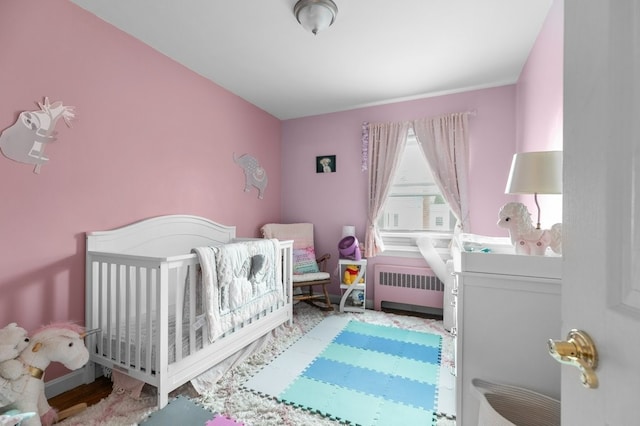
[{"x": 407, "y": 284}]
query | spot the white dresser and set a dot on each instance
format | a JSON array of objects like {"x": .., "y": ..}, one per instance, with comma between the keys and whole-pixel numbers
[{"x": 507, "y": 307}]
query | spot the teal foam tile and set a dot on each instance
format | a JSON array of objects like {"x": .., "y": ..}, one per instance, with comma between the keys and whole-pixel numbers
[{"x": 179, "y": 411}]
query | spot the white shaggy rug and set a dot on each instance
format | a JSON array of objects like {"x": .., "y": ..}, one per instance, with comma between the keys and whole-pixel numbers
[{"x": 228, "y": 397}]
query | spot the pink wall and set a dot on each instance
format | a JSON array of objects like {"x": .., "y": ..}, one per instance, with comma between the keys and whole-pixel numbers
[
  {"x": 539, "y": 104},
  {"x": 151, "y": 138},
  {"x": 340, "y": 198},
  {"x": 526, "y": 116}
]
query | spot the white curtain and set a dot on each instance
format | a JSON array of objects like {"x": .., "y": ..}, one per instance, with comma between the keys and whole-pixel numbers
[
  {"x": 386, "y": 143},
  {"x": 444, "y": 141}
]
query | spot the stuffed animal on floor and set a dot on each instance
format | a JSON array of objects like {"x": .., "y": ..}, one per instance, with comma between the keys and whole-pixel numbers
[
  {"x": 13, "y": 340},
  {"x": 57, "y": 342}
]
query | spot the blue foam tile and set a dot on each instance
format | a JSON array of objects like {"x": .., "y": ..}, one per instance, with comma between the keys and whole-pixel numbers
[
  {"x": 384, "y": 363},
  {"x": 410, "y": 392},
  {"x": 389, "y": 346},
  {"x": 363, "y": 380}
]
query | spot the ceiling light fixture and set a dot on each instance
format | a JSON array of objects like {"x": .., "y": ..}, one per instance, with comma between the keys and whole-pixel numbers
[{"x": 315, "y": 15}]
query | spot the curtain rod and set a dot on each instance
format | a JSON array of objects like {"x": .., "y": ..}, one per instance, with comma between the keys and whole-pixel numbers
[{"x": 472, "y": 112}]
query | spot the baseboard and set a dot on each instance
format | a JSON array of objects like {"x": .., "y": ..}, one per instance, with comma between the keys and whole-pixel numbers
[
  {"x": 413, "y": 308},
  {"x": 425, "y": 310},
  {"x": 70, "y": 381},
  {"x": 64, "y": 383}
]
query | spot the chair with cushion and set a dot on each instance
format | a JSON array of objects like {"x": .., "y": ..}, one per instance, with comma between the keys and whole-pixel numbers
[{"x": 308, "y": 271}]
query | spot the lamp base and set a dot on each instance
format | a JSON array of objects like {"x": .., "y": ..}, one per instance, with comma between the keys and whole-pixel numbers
[{"x": 535, "y": 198}]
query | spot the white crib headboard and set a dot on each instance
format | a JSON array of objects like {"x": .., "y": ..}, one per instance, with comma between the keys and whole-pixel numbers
[{"x": 161, "y": 236}]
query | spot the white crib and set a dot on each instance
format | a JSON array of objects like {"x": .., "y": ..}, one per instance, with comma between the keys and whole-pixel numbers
[{"x": 142, "y": 294}]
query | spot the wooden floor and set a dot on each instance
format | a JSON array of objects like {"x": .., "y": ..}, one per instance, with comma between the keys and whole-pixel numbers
[
  {"x": 89, "y": 394},
  {"x": 101, "y": 388}
]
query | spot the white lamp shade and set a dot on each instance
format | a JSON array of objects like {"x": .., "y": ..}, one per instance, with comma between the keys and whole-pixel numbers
[
  {"x": 348, "y": 231},
  {"x": 535, "y": 173},
  {"x": 315, "y": 15}
]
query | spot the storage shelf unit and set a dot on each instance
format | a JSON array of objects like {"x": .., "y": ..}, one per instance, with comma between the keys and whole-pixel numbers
[{"x": 346, "y": 302}]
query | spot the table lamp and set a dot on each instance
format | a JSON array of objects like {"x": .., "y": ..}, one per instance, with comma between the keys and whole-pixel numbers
[{"x": 535, "y": 173}]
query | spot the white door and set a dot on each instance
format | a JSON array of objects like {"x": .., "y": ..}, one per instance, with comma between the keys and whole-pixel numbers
[{"x": 601, "y": 248}]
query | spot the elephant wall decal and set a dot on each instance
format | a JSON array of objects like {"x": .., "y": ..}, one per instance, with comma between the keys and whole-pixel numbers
[{"x": 254, "y": 174}]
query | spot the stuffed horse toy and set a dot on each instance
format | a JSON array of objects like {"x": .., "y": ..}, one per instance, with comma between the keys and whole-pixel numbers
[
  {"x": 526, "y": 238},
  {"x": 57, "y": 342}
]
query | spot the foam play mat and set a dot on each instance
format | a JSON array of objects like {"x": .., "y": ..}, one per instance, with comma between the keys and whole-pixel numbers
[{"x": 359, "y": 373}]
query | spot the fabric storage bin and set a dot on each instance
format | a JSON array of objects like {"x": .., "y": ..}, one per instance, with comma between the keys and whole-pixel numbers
[{"x": 504, "y": 405}]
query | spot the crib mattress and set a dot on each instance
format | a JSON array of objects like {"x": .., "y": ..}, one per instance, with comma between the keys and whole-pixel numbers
[{"x": 115, "y": 348}]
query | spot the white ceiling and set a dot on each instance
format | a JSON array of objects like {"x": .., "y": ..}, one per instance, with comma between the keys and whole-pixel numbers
[{"x": 377, "y": 51}]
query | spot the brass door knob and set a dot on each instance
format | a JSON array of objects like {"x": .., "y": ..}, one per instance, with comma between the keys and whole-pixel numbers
[{"x": 580, "y": 351}]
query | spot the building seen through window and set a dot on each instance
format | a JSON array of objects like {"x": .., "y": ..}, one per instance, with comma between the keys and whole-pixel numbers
[{"x": 415, "y": 204}]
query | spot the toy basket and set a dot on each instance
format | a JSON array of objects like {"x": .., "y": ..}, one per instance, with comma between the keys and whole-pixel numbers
[{"x": 503, "y": 405}]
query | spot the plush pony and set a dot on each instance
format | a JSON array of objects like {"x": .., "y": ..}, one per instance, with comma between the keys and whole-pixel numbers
[
  {"x": 13, "y": 340},
  {"x": 351, "y": 273},
  {"x": 524, "y": 236},
  {"x": 57, "y": 342}
]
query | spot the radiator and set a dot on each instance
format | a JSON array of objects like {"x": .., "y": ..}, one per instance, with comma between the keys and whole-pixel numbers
[{"x": 405, "y": 284}]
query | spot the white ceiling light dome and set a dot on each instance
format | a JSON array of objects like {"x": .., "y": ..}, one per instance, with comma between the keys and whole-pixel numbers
[{"x": 315, "y": 15}]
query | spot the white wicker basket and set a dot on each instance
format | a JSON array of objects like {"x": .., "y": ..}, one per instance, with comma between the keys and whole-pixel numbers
[{"x": 504, "y": 405}]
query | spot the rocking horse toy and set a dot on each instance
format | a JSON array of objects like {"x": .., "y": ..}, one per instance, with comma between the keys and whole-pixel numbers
[
  {"x": 526, "y": 238},
  {"x": 57, "y": 342}
]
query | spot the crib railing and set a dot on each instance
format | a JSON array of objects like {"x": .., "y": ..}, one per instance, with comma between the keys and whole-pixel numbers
[
  {"x": 131, "y": 300},
  {"x": 143, "y": 306}
]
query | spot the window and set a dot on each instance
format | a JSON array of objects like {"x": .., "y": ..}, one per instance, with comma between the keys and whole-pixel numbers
[{"x": 415, "y": 204}]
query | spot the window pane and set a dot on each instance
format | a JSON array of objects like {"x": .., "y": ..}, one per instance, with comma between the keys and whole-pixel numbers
[{"x": 415, "y": 203}]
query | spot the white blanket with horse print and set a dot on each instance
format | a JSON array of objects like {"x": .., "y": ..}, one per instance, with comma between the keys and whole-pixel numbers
[{"x": 238, "y": 281}]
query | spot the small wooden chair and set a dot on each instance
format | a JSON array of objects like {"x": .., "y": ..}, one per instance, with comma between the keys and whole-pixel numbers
[{"x": 308, "y": 271}]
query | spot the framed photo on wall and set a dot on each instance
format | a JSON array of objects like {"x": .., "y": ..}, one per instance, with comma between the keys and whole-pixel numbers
[{"x": 326, "y": 164}]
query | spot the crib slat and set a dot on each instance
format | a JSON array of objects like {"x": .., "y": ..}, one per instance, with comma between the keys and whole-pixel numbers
[
  {"x": 162, "y": 309},
  {"x": 99, "y": 323},
  {"x": 178, "y": 311},
  {"x": 127, "y": 317},
  {"x": 118, "y": 315},
  {"x": 109, "y": 285},
  {"x": 192, "y": 308},
  {"x": 138, "y": 303},
  {"x": 149, "y": 324}
]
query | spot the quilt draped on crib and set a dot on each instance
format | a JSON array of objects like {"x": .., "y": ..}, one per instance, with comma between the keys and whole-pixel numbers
[{"x": 238, "y": 281}]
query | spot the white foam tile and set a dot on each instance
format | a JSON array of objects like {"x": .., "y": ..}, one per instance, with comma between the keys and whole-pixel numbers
[
  {"x": 288, "y": 365},
  {"x": 447, "y": 392},
  {"x": 328, "y": 328},
  {"x": 273, "y": 383}
]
